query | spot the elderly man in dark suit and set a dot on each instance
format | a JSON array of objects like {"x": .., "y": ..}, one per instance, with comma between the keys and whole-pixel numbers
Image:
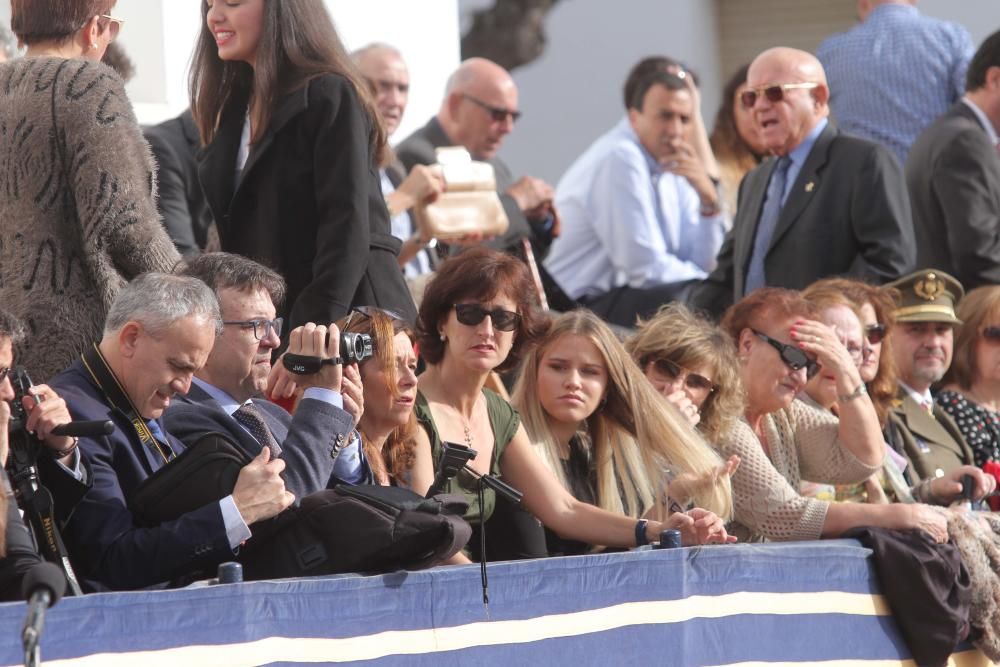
[
  {"x": 953, "y": 173},
  {"x": 158, "y": 333},
  {"x": 829, "y": 204},
  {"x": 225, "y": 396},
  {"x": 478, "y": 111}
]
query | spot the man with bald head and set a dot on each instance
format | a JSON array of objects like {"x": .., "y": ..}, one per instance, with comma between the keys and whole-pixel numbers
[
  {"x": 479, "y": 109},
  {"x": 828, "y": 204}
]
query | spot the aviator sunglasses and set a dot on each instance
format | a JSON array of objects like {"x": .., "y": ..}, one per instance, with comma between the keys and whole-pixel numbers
[
  {"x": 694, "y": 381},
  {"x": 793, "y": 357},
  {"x": 774, "y": 92},
  {"x": 471, "y": 314}
]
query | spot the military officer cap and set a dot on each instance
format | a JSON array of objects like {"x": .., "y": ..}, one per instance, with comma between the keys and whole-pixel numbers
[{"x": 928, "y": 296}]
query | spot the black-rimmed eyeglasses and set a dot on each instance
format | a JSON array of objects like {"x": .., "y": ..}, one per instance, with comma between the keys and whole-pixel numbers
[
  {"x": 793, "y": 357},
  {"x": 261, "y": 328}
]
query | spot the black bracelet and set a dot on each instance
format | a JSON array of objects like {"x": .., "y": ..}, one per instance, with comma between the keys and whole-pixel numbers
[{"x": 641, "y": 539}]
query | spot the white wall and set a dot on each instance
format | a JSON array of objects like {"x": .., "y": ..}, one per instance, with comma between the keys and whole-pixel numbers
[
  {"x": 159, "y": 35},
  {"x": 980, "y": 17}
]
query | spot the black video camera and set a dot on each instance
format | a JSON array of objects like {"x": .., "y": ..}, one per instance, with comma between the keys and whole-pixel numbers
[{"x": 354, "y": 348}]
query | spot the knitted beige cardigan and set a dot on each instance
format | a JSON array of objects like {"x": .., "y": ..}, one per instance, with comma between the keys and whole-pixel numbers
[{"x": 77, "y": 212}]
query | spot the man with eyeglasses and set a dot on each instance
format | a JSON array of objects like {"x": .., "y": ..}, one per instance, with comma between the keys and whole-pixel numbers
[
  {"x": 642, "y": 215},
  {"x": 226, "y": 395},
  {"x": 953, "y": 174},
  {"x": 158, "y": 332},
  {"x": 479, "y": 110},
  {"x": 828, "y": 204},
  {"x": 922, "y": 349}
]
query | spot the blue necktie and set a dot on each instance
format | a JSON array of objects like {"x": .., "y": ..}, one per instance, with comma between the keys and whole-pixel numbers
[{"x": 765, "y": 228}]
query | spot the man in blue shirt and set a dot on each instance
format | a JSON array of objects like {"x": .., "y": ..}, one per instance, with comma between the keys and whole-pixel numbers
[
  {"x": 641, "y": 216},
  {"x": 830, "y": 204},
  {"x": 893, "y": 74}
]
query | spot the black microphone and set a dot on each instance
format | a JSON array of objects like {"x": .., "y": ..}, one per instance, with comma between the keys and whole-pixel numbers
[
  {"x": 43, "y": 586},
  {"x": 85, "y": 429}
]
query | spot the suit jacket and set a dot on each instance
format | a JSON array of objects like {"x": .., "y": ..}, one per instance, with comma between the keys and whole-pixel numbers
[
  {"x": 953, "y": 174},
  {"x": 420, "y": 148},
  {"x": 929, "y": 443},
  {"x": 847, "y": 213},
  {"x": 181, "y": 202},
  {"x": 309, "y": 203},
  {"x": 310, "y": 441},
  {"x": 107, "y": 548}
]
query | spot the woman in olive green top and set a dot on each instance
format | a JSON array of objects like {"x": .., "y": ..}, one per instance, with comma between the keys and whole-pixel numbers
[{"x": 477, "y": 316}]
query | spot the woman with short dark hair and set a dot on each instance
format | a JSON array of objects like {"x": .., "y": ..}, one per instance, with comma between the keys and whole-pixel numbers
[
  {"x": 77, "y": 214},
  {"x": 292, "y": 140}
]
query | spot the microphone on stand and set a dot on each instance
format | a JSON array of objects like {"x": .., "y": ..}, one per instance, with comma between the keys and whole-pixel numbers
[{"x": 43, "y": 586}]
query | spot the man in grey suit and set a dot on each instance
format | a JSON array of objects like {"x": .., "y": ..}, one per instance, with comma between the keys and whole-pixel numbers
[
  {"x": 316, "y": 444},
  {"x": 829, "y": 204},
  {"x": 478, "y": 111},
  {"x": 953, "y": 174}
]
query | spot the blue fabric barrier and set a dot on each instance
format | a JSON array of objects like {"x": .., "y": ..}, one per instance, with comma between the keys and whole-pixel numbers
[{"x": 723, "y": 605}]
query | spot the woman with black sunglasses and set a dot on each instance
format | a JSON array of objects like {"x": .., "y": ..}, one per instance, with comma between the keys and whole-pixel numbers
[
  {"x": 478, "y": 315},
  {"x": 782, "y": 440},
  {"x": 606, "y": 434}
]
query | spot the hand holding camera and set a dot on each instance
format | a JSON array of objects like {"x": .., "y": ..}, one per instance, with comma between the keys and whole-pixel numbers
[{"x": 316, "y": 354}]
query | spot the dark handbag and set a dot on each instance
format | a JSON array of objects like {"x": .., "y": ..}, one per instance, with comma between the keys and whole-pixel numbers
[
  {"x": 362, "y": 528},
  {"x": 203, "y": 473}
]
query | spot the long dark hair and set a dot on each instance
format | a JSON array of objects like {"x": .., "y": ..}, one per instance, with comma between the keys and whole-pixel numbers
[
  {"x": 297, "y": 43},
  {"x": 727, "y": 144}
]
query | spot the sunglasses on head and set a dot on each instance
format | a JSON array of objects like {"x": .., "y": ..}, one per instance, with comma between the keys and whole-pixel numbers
[
  {"x": 992, "y": 334},
  {"x": 875, "y": 333},
  {"x": 774, "y": 92},
  {"x": 671, "y": 370},
  {"x": 471, "y": 314},
  {"x": 498, "y": 114},
  {"x": 370, "y": 311},
  {"x": 793, "y": 357}
]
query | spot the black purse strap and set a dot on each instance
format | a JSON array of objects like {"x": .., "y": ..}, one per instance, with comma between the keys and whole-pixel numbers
[{"x": 105, "y": 379}]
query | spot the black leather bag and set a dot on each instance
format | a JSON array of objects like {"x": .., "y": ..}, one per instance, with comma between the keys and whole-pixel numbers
[
  {"x": 363, "y": 528},
  {"x": 203, "y": 473}
]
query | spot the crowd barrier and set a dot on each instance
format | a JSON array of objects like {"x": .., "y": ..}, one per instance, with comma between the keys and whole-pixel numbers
[{"x": 793, "y": 604}]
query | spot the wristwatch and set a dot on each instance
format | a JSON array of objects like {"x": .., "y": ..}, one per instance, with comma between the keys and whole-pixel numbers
[{"x": 862, "y": 390}]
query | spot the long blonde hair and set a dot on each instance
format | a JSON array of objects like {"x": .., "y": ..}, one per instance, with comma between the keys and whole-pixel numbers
[{"x": 634, "y": 436}]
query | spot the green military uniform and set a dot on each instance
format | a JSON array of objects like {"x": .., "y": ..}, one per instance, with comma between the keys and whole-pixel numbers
[{"x": 931, "y": 440}]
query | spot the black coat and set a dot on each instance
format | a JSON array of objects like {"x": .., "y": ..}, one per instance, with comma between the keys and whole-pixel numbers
[
  {"x": 179, "y": 197},
  {"x": 953, "y": 173},
  {"x": 846, "y": 214},
  {"x": 309, "y": 203}
]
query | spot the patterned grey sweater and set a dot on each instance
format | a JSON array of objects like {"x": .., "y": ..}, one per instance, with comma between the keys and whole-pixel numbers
[{"x": 77, "y": 212}]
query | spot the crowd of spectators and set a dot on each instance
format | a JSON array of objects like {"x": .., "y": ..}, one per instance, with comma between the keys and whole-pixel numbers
[{"x": 766, "y": 333}]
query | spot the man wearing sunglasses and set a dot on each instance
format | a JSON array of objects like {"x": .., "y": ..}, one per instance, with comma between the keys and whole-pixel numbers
[
  {"x": 828, "y": 204},
  {"x": 642, "y": 215},
  {"x": 226, "y": 394},
  {"x": 953, "y": 174},
  {"x": 922, "y": 349},
  {"x": 479, "y": 110}
]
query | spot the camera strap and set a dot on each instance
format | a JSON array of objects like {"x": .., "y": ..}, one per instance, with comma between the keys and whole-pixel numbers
[{"x": 105, "y": 379}]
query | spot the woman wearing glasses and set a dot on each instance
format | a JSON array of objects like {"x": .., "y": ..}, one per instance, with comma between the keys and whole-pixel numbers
[
  {"x": 478, "y": 315},
  {"x": 782, "y": 440},
  {"x": 604, "y": 433},
  {"x": 77, "y": 214},
  {"x": 289, "y": 169},
  {"x": 971, "y": 394},
  {"x": 692, "y": 363}
]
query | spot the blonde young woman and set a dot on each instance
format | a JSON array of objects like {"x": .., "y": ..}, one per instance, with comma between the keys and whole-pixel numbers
[{"x": 607, "y": 435}]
